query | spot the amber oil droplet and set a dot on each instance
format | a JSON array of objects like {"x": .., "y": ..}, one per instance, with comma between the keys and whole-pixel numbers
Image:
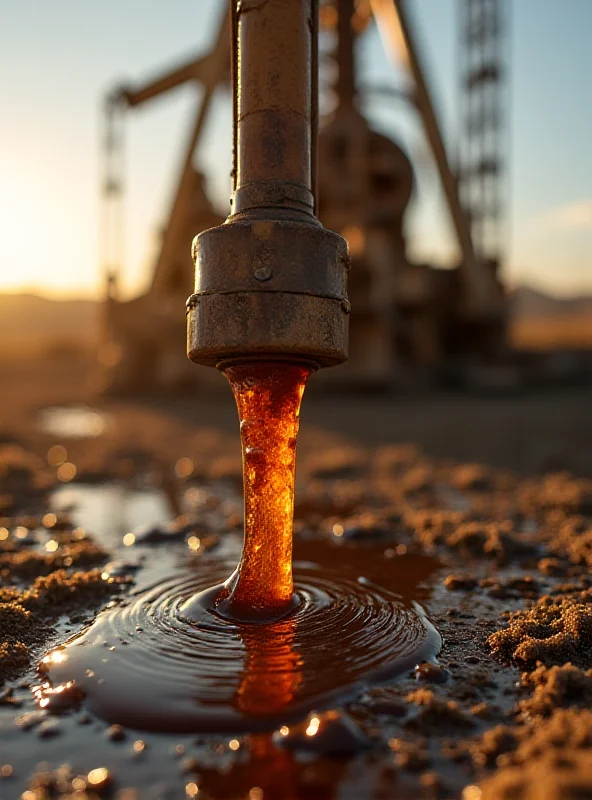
[{"x": 268, "y": 397}]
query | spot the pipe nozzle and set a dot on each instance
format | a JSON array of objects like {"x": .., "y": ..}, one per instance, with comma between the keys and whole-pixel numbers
[{"x": 271, "y": 282}]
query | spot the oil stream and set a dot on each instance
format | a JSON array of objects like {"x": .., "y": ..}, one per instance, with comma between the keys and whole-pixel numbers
[{"x": 261, "y": 649}]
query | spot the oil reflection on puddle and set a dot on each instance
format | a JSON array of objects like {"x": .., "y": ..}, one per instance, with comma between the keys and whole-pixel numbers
[{"x": 145, "y": 666}]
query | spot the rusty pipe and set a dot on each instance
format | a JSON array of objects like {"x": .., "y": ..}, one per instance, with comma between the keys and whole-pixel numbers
[
  {"x": 271, "y": 281},
  {"x": 274, "y": 99}
]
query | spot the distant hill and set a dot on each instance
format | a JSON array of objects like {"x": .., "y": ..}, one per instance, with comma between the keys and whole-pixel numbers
[
  {"x": 543, "y": 322},
  {"x": 29, "y": 322},
  {"x": 530, "y": 303}
]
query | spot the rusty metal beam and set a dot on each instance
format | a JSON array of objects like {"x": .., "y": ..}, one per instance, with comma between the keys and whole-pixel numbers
[
  {"x": 193, "y": 70},
  {"x": 214, "y": 73}
]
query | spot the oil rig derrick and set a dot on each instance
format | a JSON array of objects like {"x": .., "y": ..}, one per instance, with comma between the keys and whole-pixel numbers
[{"x": 483, "y": 134}]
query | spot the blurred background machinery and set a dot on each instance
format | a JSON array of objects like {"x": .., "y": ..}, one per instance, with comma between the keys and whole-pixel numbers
[
  {"x": 407, "y": 319},
  {"x": 483, "y": 132}
]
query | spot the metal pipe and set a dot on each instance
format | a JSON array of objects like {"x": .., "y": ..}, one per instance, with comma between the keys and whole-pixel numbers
[
  {"x": 271, "y": 282},
  {"x": 191, "y": 71},
  {"x": 273, "y": 95}
]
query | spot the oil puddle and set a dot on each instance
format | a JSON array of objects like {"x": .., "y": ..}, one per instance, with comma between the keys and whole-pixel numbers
[
  {"x": 73, "y": 422},
  {"x": 143, "y": 665}
]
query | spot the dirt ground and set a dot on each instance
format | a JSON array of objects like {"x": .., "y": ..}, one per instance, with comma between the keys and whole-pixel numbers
[
  {"x": 536, "y": 431},
  {"x": 498, "y": 490}
]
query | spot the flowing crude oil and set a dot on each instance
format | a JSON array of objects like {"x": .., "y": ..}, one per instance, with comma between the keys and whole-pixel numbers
[
  {"x": 268, "y": 397},
  {"x": 257, "y": 651}
]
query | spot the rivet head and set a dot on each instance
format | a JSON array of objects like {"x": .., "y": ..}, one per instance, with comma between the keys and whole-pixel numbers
[
  {"x": 192, "y": 302},
  {"x": 263, "y": 273},
  {"x": 346, "y": 306}
]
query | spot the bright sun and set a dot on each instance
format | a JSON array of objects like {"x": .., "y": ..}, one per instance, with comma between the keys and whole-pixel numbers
[{"x": 44, "y": 246}]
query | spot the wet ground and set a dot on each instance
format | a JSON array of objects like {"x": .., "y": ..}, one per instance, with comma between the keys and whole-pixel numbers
[{"x": 497, "y": 554}]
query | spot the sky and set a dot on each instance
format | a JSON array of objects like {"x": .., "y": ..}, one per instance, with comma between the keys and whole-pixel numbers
[{"x": 59, "y": 58}]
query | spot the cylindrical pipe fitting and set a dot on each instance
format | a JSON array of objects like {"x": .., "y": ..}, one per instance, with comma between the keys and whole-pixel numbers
[{"x": 271, "y": 281}]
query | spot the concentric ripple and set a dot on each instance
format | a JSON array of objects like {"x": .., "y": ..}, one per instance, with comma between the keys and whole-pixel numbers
[{"x": 143, "y": 665}]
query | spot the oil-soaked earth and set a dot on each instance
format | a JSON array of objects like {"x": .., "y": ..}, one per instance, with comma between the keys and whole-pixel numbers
[{"x": 499, "y": 561}]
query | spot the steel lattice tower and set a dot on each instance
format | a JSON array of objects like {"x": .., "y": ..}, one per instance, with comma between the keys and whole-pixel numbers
[{"x": 483, "y": 140}]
